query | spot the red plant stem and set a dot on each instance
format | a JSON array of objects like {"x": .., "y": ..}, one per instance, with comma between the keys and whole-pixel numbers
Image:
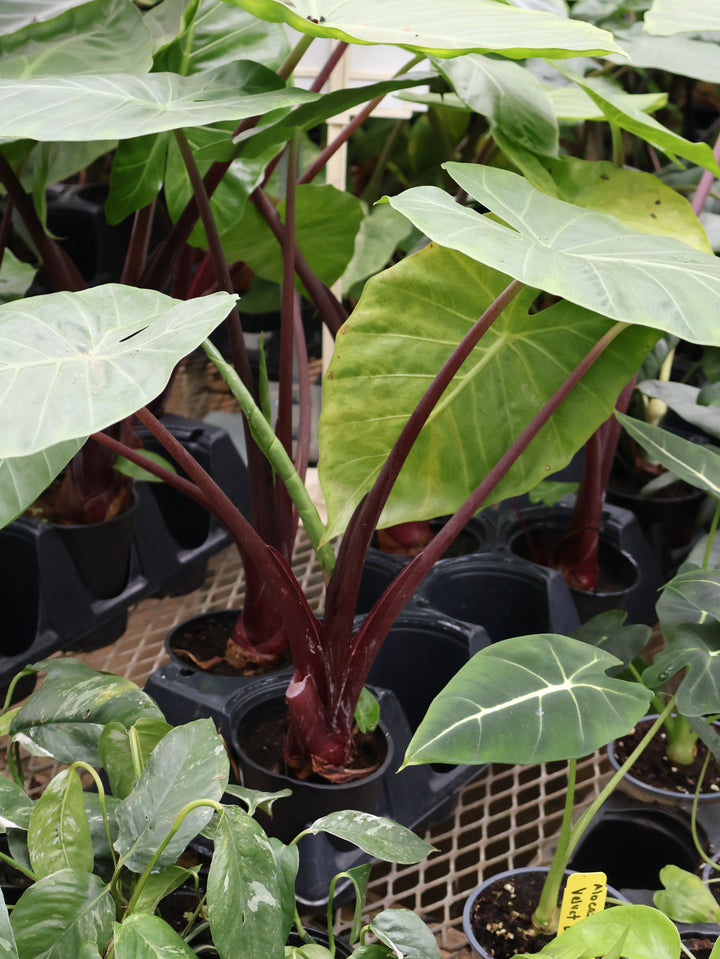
[
  {"x": 344, "y": 585},
  {"x": 706, "y": 182},
  {"x": 138, "y": 246},
  {"x": 369, "y": 638},
  {"x": 332, "y": 312},
  {"x": 63, "y": 273}
]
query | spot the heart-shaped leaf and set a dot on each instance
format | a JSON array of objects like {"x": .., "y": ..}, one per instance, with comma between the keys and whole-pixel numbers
[
  {"x": 407, "y": 322},
  {"x": 58, "y": 914},
  {"x": 644, "y": 932},
  {"x": 436, "y": 28},
  {"x": 188, "y": 764},
  {"x": 58, "y": 832},
  {"x": 530, "y": 699},
  {"x": 382, "y": 838},
  {"x": 252, "y": 921},
  {"x": 120, "y": 105},
  {"x": 72, "y": 363},
  {"x": 685, "y": 897},
  {"x": 588, "y": 258}
]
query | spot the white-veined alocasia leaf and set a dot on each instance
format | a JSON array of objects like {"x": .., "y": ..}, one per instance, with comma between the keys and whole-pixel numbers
[
  {"x": 381, "y": 838},
  {"x": 689, "y": 615},
  {"x": 644, "y": 932},
  {"x": 509, "y": 95},
  {"x": 667, "y": 17},
  {"x": 120, "y": 105},
  {"x": 637, "y": 122},
  {"x": 65, "y": 716},
  {"x": 586, "y": 257},
  {"x": 438, "y": 28},
  {"x": 58, "y": 833},
  {"x": 406, "y": 324},
  {"x": 697, "y": 464},
  {"x": 682, "y": 398},
  {"x": 685, "y": 897},
  {"x": 103, "y": 36},
  {"x": 149, "y": 937},
  {"x": 23, "y": 478},
  {"x": 251, "y": 922},
  {"x": 17, "y": 14},
  {"x": 529, "y": 699},
  {"x": 72, "y": 363},
  {"x": 404, "y": 932},
  {"x": 188, "y": 764},
  {"x": 58, "y": 914},
  {"x": 639, "y": 200}
]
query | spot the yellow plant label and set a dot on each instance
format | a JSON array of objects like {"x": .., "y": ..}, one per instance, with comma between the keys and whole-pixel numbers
[{"x": 584, "y": 894}]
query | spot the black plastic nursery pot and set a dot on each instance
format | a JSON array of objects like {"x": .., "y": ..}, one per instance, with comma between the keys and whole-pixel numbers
[
  {"x": 506, "y": 595},
  {"x": 175, "y": 535},
  {"x": 629, "y": 556},
  {"x": 521, "y": 888}
]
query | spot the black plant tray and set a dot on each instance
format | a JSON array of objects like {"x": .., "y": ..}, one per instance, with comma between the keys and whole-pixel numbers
[
  {"x": 631, "y": 841},
  {"x": 175, "y": 535}
]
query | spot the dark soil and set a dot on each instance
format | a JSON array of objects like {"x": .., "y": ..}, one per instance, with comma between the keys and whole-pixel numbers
[
  {"x": 654, "y": 768},
  {"x": 263, "y": 744},
  {"x": 502, "y": 919},
  {"x": 204, "y": 640},
  {"x": 699, "y": 946},
  {"x": 542, "y": 549}
]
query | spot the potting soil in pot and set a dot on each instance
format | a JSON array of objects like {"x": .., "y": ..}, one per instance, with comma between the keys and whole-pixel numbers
[
  {"x": 502, "y": 919},
  {"x": 202, "y": 641},
  {"x": 655, "y": 769}
]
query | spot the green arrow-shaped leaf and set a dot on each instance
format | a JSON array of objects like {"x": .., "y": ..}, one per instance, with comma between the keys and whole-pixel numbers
[
  {"x": 590, "y": 259},
  {"x": 404, "y": 932},
  {"x": 529, "y": 699},
  {"x": 120, "y": 105}
]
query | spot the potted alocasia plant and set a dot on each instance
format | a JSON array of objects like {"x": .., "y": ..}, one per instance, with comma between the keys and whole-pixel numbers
[
  {"x": 106, "y": 884},
  {"x": 332, "y": 659}
]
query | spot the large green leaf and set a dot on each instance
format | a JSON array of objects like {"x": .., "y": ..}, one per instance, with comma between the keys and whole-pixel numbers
[
  {"x": 188, "y": 764},
  {"x": 526, "y": 700},
  {"x": 72, "y": 363},
  {"x": 56, "y": 915},
  {"x": 644, "y": 126},
  {"x": 571, "y": 103},
  {"x": 105, "y": 36},
  {"x": 667, "y": 17},
  {"x": 406, "y": 324},
  {"x": 685, "y": 898},
  {"x": 377, "y": 239},
  {"x": 64, "y": 717},
  {"x": 434, "y": 27},
  {"x": 120, "y": 105},
  {"x": 639, "y": 200},
  {"x": 17, "y": 14},
  {"x": 586, "y": 257},
  {"x": 219, "y": 34},
  {"x": 137, "y": 174},
  {"x": 381, "y": 838},
  {"x": 15, "y": 805},
  {"x": 251, "y": 922},
  {"x": 58, "y": 832},
  {"x": 696, "y": 464},
  {"x": 149, "y": 937},
  {"x": 23, "y": 478},
  {"x": 511, "y": 97},
  {"x": 643, "y": 931}
]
